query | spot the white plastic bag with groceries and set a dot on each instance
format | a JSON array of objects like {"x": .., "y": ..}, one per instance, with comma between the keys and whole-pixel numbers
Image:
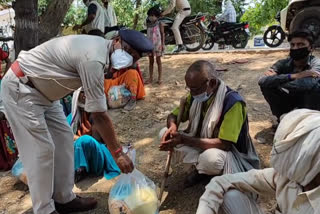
[{"x": 133, "y": 193}]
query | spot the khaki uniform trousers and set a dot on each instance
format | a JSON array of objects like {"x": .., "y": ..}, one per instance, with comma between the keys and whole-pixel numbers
[
  {"x": 181, "y": 15},
  {"x": 45, "y": 143}
]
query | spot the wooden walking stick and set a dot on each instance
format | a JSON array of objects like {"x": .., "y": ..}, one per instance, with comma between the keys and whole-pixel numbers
[{"x": 166, "y": 171}]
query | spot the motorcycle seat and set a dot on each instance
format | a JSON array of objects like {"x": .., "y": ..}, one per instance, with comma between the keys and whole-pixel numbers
[{"x": 227, "y": 25}]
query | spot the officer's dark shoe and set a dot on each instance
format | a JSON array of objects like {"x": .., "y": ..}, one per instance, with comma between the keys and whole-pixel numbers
[{"x": 78, "y": 204}]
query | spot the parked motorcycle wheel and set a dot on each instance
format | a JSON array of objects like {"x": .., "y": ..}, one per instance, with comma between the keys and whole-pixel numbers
[
  {"x": 241, "y": 39},
  {"x": 195, "y": 36},
  {"x": 208, "y": 43},
  {"x": 274, "y": 36}
]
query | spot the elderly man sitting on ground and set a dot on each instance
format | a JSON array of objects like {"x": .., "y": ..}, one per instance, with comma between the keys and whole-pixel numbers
[
  {"x": 217, "y": 140},
  {"x": 294, "y": 179}
]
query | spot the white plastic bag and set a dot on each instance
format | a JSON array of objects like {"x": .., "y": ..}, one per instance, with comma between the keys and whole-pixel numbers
[
  {"x": 118, "y": 96},
  {"x": 133, "y": 193}
]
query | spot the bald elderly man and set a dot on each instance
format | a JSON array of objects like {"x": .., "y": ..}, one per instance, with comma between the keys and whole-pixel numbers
[
  {"x": 294, "y": 179},
  {"x": 217, "y": 139},
  {"x": 31, "y": 91}
]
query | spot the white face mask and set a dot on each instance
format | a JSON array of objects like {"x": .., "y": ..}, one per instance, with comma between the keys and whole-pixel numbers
[{"x": 121, "y": 59}]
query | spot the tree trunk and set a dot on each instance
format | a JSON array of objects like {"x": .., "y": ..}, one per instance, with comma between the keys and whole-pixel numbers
[
  {"x": 50, "y": 21},
  {"x": 26, "y": 19},
  {"x": 136, "y": 17}
]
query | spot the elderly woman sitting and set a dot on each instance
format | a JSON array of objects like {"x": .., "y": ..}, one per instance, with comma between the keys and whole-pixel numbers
[
  {"x": 132, "y": 80},
  {"x": 91, "y": 156},
  {"x": 125, "y": 71},
  {"x": 294, "y": 179}
]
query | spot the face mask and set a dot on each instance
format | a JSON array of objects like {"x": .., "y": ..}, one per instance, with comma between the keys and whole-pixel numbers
[
  {"x": 152, "y": 18},
  {"x": 202, "y": 97},
  {"x": 301, "y": 53},
  {"x": 121, "y": 59}
]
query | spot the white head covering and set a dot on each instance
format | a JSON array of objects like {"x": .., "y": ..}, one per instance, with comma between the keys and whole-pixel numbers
[
  {"x": 228, "y": 3},
  {"x": 296, "y": 150}
]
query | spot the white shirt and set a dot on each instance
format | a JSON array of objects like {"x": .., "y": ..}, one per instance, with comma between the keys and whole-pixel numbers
[
  {"x": 110, "y": 16},
  {"x": 267, "y": 182},
  {"x": 99, "y": 20},
  {"x": 229, "y": 14},
  {"x": 62, "y": 65},
  {"x": 178, "y": 4}
]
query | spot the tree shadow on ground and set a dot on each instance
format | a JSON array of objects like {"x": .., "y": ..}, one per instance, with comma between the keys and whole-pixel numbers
[
  {"x": 20, "y": 186},
  {"x": 175, "y": 190},
  {"x": 88, "y": 182}
]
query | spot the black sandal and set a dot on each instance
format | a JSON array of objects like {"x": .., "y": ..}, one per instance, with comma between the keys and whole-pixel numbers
[{"x": 80, "y": 174}]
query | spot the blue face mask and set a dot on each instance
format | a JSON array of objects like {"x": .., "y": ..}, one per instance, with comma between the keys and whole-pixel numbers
[{"x": 202, "y": 97}]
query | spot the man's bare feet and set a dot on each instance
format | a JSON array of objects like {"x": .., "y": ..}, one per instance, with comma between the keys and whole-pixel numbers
[{"x": 159, "y": 82}]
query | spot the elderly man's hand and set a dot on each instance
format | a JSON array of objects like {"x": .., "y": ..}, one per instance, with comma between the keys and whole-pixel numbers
[
  {"x": 304, "y": 74},
  {"x": 176, "y": 139},
  {"x": 124, "y": 163},
  {"x": 168, "y": 134},
  {"x": 270, "y": 72}
]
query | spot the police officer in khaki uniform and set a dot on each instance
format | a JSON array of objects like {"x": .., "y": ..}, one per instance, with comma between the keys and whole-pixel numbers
[
  {"x": 31, "y": 91},
  {"x": 183, "y": 10}
]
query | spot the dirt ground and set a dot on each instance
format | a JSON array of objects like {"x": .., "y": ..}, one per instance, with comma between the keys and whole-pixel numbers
[{"x": 142, "y": 125}]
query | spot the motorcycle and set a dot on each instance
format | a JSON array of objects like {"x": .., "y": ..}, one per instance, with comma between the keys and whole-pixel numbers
[
  {"x": 192, "y": 32},
  {"x": 274, "y": 35},
  {"x": 235, "y": 34}
]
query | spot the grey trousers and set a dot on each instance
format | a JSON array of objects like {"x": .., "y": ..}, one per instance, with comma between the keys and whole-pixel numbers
[
  {"x": 234, "y": 202},
  {"x": 45, "y": 143}
]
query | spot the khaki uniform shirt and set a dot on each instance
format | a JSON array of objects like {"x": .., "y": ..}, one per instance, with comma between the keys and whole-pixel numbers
[
  {"x": 178, "y": 4},
  {"x": 289, "y": 195},
  {"x": 62, "y": 65}
]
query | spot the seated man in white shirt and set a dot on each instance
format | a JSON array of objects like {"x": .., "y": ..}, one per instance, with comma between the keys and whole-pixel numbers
[
  {"x": 294, "y": 179},
  {"x": 95, "y": 20}
]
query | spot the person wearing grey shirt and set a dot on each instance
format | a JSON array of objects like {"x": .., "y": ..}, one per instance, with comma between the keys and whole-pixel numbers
[
  {"x": 293, "y": 82},
  {"x": 31, "y": 91}
]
